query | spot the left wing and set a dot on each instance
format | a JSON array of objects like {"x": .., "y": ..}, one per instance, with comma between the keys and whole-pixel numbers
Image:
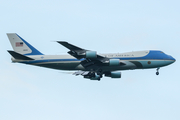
[
  {"x": 78, "y": 52},
  {"x": 91, "y": 58}
]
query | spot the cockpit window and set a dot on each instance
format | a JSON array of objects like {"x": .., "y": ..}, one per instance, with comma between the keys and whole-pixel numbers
[{"x": 162, "y": 52}]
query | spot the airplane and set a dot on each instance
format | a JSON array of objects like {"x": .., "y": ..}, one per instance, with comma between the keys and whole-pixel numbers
[{"x": 88, "y": 63}]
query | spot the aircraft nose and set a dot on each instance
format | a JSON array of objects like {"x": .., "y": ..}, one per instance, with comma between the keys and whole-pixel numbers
[{"x": 173, "y": 59}]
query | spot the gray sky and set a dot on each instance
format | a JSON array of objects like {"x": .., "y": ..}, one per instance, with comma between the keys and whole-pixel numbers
[{"x": 34, "y": 93}]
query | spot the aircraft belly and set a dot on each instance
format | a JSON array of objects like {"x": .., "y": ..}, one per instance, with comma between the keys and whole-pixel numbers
[
  {"x": 63, "y": 66},
  {"x": 129, "y": 65}
]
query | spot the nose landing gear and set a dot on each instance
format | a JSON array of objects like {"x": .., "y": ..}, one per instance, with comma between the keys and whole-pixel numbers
[{"x": 157, "y": 73}]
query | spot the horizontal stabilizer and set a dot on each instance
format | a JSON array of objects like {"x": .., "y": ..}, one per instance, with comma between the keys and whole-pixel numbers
[{"x": 19, "y": 56}]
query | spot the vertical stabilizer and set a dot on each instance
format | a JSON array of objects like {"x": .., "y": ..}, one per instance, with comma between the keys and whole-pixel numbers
[{"x": 21, "y": 46}]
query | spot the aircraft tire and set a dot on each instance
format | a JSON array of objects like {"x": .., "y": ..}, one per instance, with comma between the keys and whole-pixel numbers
[{"x": 157, "y": 73}]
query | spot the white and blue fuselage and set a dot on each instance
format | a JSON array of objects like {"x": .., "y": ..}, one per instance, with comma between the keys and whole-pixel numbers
[{"x": 132, "y": 60}]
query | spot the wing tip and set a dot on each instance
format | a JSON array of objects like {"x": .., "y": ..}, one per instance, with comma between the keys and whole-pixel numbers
[{"x": 61, "y": 42}]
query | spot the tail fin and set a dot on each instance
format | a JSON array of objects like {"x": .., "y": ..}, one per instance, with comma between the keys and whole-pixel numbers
[{"x": 21, "y": 46}]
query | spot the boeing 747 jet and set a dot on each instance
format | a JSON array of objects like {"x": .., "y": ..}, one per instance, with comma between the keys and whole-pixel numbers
[{"x": 87, "y": 63}]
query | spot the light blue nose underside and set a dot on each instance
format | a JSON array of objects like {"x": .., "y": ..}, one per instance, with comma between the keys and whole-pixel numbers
[
  {"x": 173, "y": 59},
  {"x": 170, "y": 59}
]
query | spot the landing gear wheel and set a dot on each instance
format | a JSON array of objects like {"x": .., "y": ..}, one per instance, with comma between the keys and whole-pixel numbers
[{"x": 157, "y": 73}]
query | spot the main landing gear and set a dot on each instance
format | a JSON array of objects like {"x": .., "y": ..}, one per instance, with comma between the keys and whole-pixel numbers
[{"x": 157, "y": 73}]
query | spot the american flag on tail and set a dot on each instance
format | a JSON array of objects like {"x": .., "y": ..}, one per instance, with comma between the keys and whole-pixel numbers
[{"x": 19, "y": 44}]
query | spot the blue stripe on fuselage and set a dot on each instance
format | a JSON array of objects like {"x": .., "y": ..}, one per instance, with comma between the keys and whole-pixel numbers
[{"x": 49, "y": 60}]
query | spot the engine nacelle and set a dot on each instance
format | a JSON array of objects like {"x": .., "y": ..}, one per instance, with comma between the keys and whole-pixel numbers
[
  {"x": 114, "y": 62},
  {"x": 91, "y": 54},
  {"x": 113, "y": 74}
]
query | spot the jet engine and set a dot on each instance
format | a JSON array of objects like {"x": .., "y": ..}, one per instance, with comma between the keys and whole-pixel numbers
[
  {"x": 91, "y": 54},
  {"x": 113, "y": 74},
  {"x": 114, "y": 62}
]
